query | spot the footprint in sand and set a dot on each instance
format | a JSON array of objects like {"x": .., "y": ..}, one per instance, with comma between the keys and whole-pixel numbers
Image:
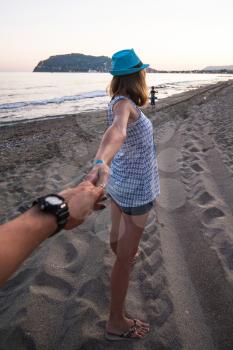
[
  {"x": 196, "y": 167},
  {"x": 213, "y": 232},
  {"x": 160, "y": 310},
  {"x": 153, "y": 287},
  {"x": 194, "y": 149},
  {"x": 165, "y": 132},
  {"x": 186, "y": 157},
  {"x": 61, "y": 254},
  {"x": 92, "y": 289},
  {"x": 142, "y": 276},
  {"x": 205, "y": 198},
  {"x": 212, "y": 214},
  {"x": 52, "y": 287},
  {"x": 194, "y": 158},
  {"x": 66, "y": 253},
  {"x": 156, "y": 261},
  {"x": 196, "y": 189},
  {"x": 195, "y": 137},
  {"x": 145, "y": 236},
  {"x": 76, "y": 327},
  {"x": 149, "y": 248},
  {"x": 188, "y": 144}
]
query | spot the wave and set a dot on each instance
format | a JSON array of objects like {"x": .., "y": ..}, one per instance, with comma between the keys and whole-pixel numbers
[{"x": 56, "y": 100}]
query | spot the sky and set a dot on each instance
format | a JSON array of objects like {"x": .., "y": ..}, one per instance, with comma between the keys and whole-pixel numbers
[{"x": 167, "y": 34}]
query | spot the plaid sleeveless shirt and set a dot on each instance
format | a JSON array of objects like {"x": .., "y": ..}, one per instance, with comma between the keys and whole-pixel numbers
[{"x": 134, "y": 178}]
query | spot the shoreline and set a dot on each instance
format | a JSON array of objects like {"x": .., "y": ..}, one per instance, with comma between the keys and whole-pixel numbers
[
  {"x": 161, "y": 104},
  {"x": 61, "y": 116}
]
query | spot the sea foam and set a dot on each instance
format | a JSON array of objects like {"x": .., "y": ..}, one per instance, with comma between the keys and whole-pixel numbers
[{"x": 57, "y": 100}]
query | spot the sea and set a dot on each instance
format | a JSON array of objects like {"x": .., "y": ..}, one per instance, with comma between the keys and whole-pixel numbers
[{"x": 27, "y": 96}]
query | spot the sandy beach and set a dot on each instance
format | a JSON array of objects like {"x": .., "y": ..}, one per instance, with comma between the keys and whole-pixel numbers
[{"x": 183, "y": 281}]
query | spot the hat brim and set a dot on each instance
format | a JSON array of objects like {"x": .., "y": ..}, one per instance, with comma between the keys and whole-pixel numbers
[{"x": 128, "y": 71}]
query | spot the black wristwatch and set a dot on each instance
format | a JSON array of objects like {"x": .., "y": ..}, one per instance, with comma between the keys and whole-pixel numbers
[{"x": 55, "y": 205}]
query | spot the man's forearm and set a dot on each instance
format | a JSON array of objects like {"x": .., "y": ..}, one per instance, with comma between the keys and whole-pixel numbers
[
  {"x": 111, "y": 142},
  {"x": 20, "y": 237}
]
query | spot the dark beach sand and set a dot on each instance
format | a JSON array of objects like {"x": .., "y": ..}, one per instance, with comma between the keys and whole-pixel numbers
[{"x": 182, "y": 283}]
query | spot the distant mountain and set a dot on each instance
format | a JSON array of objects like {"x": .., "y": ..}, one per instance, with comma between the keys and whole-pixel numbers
[
  {"x": 219, "y": 68},
  {"x": 74, "y": 62},
  {"x": 151, "y": 70}
]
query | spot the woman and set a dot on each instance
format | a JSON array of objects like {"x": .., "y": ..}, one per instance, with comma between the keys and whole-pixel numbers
[{"x": 133, "y": 182}]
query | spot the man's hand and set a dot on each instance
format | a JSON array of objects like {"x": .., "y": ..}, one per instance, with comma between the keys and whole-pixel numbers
[
  {"x": 19, "y": 237},
  {"x": 81, "y": 201}
]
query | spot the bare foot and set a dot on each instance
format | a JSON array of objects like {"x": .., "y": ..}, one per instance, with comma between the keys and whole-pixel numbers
[{"x": 118, "y": 328}]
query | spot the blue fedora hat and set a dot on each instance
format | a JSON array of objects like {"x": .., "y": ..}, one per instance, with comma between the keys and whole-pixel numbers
[{"x": 126, "y": 62}]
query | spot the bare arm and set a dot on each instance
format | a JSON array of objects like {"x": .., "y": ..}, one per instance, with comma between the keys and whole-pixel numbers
[
  {"x": 115, "y": 135},
  {"x": 112, "y": 141},
  {"x": 19, "y": 237}
]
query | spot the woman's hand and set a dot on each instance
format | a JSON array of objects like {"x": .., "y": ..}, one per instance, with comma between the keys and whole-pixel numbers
[
  {"x": 99, "y": 175},
  {"x": 81, "y": 201}
]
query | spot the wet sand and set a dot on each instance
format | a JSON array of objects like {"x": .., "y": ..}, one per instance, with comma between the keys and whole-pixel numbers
[{"x": 183, "y": 281}]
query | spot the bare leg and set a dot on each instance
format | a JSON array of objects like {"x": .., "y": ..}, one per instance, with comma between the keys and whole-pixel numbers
[
  {"x": 130, "y": 231},
  {"x": 116, "y": 214}
]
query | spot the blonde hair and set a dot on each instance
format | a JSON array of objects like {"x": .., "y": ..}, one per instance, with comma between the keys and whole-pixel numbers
[{"x": 133, "y": 85}]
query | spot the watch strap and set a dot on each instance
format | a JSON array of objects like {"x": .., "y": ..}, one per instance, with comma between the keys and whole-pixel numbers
[
  {"x": 62, "y": 215},
  {"x": 61, "y": 212}
]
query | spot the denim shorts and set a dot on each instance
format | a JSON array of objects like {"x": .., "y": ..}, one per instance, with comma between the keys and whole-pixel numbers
[{"x": 140, "y": 210}]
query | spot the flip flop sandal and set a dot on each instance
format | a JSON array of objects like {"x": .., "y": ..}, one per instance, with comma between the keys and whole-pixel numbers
[{"x": 128, "y": 335}]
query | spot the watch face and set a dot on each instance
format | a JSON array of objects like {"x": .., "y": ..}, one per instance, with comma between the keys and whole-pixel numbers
[{"x": 53, "y": 200}]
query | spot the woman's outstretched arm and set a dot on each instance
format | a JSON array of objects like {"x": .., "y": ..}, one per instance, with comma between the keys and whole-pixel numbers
[
  {"x": 115, "y": 135},
  {"x": 111, "y": 142}
]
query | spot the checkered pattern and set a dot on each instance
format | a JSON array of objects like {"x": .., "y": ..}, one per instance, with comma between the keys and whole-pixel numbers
[{"x": 134, "y": 178}]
